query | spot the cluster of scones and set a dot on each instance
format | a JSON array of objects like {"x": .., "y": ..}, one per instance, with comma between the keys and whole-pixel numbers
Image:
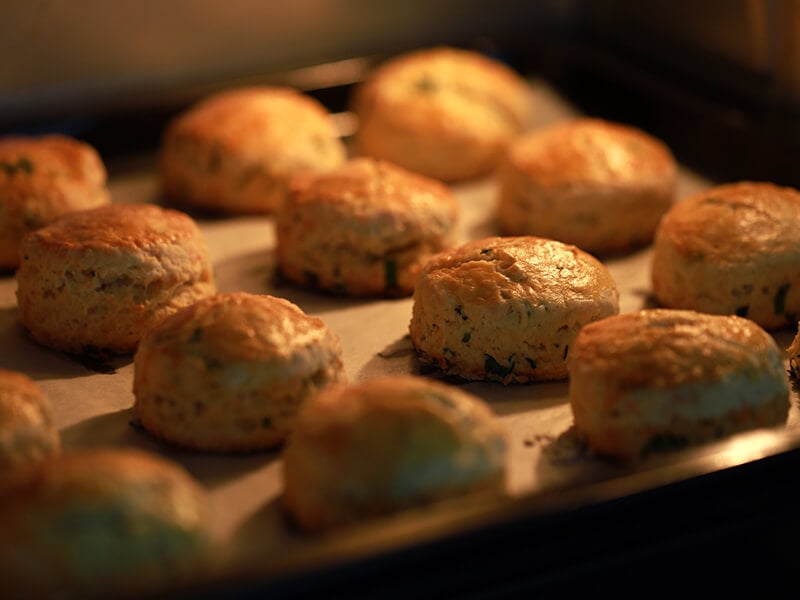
[{"x": 228, "y": 372}]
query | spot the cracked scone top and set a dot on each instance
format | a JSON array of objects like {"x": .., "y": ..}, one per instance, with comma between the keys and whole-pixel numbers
[
  {"x": 364, "y": 229},
  {"x": 444, "y": 112},
  {"x": 387, "y": 444},
  {"x": 42, "y": 178},
  {"x": 664, "y": 378},
  {"x": 234, "y": 152},
  {"x": 732, "y": 249},
  {"x": 93, "y": 281},
  {"x": 508, "y": 308},
  {"x": 229, "y": 373}
]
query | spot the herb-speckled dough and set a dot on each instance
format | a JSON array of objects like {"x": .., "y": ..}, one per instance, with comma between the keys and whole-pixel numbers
[
  {"x": 364, "y": 229},
  {"x": 732, "y": 249},
  {"x": 388, "y": 444},
  {"x": 666, "y": 378},
  {"x": 508, "y": 308},
  {"x": 94, "y": 523},
  {"x": 93, "y": 281},
  {"x": 230, "y": 372},
  {"x": 234, "y": 152},
  {"x": 443, "y": 112},
  {"x": 42, "y": 178},
  {"x": 600, "y": 185}
]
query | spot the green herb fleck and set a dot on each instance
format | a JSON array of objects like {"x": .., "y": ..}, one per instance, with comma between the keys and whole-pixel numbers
[
  {"x": 486, "y": 251},
  {"x": 465, "y": 338},
  {"x": 780, "y": 299},
  {"x": 495, "y": 368},
  {"x": 566, "y": 351},
  {"x": 448, "y": 351},
  {"x": 742, "y": 311},
  {"x": 22, "y": 164},
  {"x": 460, "y": 312},
  {"x": 425, "y": 84},
  {"x": 531, "y": 362},
  {"x": 391, "y": 274},
  {"x": 665, "y": 443}
]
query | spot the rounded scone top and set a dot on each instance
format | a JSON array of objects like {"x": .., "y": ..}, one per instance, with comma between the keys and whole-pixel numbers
[
  {"x": 228, "y": 373},
  {"x": 507, "y": 308},
  {"x": 443, "y": 112},
  {"x": 451, "y": 83},
  {"x": 388, "y": 444},
  {"x": 58, "y": 168},
  {"x": 238, "y": 326},
  {"x": 235, "y": 151},
  {"x": 40, "y": 179},
  {"x": 27, "y": 431},
  {"x": 668, "y": 347},
  {"x": 91, "y": 522},
  {"x": 495, "y": 269},
  {"x": 593, "y": 151},
  {"x": 260, "y": 124},
  {"x": 118, "y": 227},
  {"x": 374, "y": 206},
  {"x": 733, "y": 223}
]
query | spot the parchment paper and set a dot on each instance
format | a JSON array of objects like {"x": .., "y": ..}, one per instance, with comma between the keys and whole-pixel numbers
[{"x": 92, "y": 408}]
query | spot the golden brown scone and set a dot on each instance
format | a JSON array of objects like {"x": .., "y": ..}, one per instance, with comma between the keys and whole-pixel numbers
[
  {"x": 388, "y": 444},
  {"x": 40, "y": 179},
  {"x": 93, "y": 522},
  {"x": 442, "y": 112},
  {"x": 228, "y": 373},
  {"x": 235, "y": 151},
  {"x": 732, "y": 249},
  {"x": 27, "y": 432},
  {"x": 662, "y": 378},
  {"x": 364, "y": 229},
  {"x": 600, "y": 185},
  {"x": 92, "y": 281},
  {"x": 508, "y": 308}
]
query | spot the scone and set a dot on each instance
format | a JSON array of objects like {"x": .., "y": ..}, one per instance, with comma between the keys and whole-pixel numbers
[
  {"x": 364, "y": 229},
  {"x": 507, "y": 309},
  {"x": 92, "y": 281},
  {"x": 661, "y": 378},
  {"x": 388, "y": 444},
  {"x": 600, "y": 185},
  {"x": 93, "y": 523},
  {"x": 27, "y": 432},
  {"x": 228, "y": 373},
  {"x": 40, "y": 179},
  {"x": 235, "y": 151},
  {"x": 732, "y": 249},
  {"x": 443, "y": 112}
]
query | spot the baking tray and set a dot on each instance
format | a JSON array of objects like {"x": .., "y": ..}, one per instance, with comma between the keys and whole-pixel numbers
[{"x": 558, "y": 495}]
